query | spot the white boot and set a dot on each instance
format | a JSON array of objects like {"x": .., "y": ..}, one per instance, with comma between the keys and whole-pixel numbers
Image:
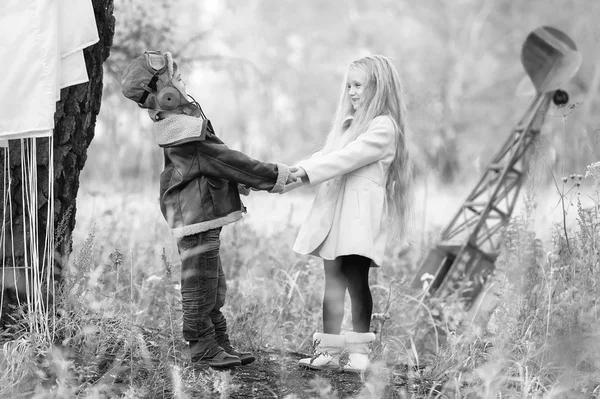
[
  {"x": 357, "y": 345},
  {"x": 327, "y": 352}
]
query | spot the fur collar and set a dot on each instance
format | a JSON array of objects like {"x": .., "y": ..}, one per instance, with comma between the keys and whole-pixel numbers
[{"x": 176, "y": 128}]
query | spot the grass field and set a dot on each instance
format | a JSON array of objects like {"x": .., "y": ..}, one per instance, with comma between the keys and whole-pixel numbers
[{"x": 119, "y": 325}]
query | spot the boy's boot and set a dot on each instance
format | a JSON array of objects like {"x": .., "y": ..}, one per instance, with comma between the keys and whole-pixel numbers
[
  {"x": 216, "y": 357},
  {"x": 328, "y": 348},
  {"x": 358, "y": 346},
  {"x": 245, "y": 357},
  {"x": 223, "y": 340}
]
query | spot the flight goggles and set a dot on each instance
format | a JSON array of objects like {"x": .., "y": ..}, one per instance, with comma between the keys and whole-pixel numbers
[{"x": 156, "y": 60}]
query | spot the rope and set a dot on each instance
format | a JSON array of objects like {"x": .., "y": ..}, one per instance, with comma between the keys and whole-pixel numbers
[
  {"x": 3, "y": 234},
  {"x": 50, "y": 250},
  {"x": 37, "y": 269}
]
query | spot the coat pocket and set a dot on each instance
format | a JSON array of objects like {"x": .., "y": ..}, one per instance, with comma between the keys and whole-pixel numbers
[
  {"x": 219, "y": 192},
  {"x": 216, "y": 183}
]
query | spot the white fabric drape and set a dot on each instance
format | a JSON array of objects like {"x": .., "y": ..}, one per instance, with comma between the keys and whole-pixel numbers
[
  {"x": 41, "y": 51},
  {"x": 30, "y": 52},
  {"x": 41, "y": 45},
  {"x": 77, "y": 31}
]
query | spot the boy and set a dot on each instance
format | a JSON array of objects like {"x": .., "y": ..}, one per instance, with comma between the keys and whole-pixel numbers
[{"x": 198, "y": 195}]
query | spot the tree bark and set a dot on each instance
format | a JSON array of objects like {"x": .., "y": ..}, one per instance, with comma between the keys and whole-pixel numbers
[{"x": 75, "y": 121}]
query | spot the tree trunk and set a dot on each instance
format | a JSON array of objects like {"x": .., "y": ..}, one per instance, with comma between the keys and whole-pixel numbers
[{"x": 75, "y": 121}]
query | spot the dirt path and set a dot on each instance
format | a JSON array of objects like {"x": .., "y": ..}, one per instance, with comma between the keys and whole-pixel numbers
[{"x": 276, "y": 375}]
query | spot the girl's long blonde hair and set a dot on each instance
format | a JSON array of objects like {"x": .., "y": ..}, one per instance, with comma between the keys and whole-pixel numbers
[{"x": 382, "y": 95}]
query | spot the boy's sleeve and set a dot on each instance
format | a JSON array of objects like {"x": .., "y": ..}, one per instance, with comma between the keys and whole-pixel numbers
[
  {"x": 367, "y": 148},
  {"x": 217, "y": 160}
]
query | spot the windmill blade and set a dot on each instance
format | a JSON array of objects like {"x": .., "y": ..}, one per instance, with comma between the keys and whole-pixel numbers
[{"x": 550, "y": 58}]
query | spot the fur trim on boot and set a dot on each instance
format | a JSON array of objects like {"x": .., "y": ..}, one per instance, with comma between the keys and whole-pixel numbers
[
  {"x": 328, "y": 348},
  {"x": 358, "y": 346}
]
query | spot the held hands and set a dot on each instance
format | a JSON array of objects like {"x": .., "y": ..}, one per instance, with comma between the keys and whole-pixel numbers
[
  {"x": 291, "y": 177},
  {"x": 299, "y": 173},
  {"x": 296, "y": 179}
]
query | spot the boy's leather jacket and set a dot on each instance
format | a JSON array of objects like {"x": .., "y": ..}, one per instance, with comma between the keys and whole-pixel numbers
[{"x": 199, "y": 185}]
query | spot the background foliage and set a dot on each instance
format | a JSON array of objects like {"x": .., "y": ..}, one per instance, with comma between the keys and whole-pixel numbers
[{"x": 268, "y": 74}]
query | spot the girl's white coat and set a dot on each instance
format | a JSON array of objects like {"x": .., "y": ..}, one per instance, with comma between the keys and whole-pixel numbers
[{"x": 349, "y": 214}]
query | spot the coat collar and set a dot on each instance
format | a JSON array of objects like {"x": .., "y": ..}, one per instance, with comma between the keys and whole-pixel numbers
[
  {"x": 347, "y": 122},
  {"x": 177, "y": 128}
]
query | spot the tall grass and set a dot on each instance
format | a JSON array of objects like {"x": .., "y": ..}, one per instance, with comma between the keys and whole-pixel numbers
[{"x": 118, "y": 324}]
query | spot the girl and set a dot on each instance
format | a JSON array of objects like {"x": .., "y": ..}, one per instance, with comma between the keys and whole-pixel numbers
[{"x": 364, "y": 199}]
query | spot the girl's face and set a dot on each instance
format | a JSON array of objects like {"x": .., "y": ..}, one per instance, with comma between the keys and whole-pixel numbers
[{"x": 357, "y": 78}]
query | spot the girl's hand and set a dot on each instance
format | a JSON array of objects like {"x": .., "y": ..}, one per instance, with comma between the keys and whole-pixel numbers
[
  {"x": 291, "y": 177},
  {"x": 299, "y": 173}
]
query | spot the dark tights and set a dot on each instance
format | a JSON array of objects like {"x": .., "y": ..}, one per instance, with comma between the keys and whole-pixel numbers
[{"x": 347, "y": 272}]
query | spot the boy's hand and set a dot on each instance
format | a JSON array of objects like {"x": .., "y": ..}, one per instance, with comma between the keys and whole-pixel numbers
[
  {"x": 243, "y": 190},
  {"x": 292, "y": 186}
]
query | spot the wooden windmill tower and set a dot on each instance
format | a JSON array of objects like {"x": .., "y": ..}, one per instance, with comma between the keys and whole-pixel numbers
[{"x": 469, "y": 245}]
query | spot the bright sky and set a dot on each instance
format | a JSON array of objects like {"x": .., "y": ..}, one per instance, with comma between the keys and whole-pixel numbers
[{"x": 211, "y": 9}]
